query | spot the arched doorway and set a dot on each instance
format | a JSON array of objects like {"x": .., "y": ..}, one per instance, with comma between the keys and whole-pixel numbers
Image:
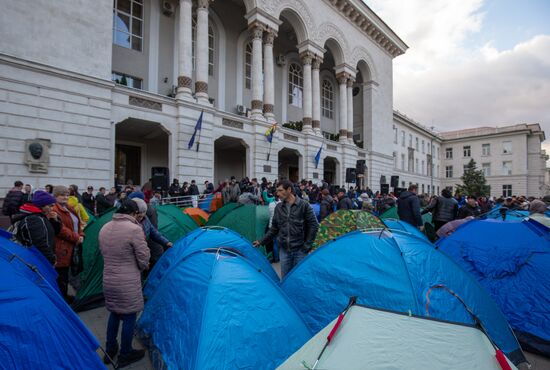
[
  {"x": 230, "y": 158},
  {"x": 289, "y": 164},
  {"x": 331, "y": 171},
  {"x": 139, "y": 146}
]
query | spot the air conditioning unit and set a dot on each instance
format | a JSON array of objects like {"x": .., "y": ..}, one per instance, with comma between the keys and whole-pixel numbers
[
  {"x": 241, "y": 109},
  {"x": 280, "y": 60},
  {"x": 167, "y": 8}
]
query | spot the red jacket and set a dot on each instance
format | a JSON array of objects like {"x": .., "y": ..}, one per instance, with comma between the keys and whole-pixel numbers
[{"x": 67, "y": 238}]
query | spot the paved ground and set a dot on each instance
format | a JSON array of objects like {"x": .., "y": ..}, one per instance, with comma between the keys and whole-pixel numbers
[{"x": 96, "y": 320}]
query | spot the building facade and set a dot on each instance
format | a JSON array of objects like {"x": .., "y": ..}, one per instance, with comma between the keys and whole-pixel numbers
[
  {"x": 94, "y": 93},
  {"x": 110, "y": 91}
]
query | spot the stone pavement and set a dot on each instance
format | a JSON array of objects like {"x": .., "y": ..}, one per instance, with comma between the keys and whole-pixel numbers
[{"x": 96, "y": 321}]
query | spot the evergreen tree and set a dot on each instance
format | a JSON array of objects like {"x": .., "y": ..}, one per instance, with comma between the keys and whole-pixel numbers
[{"x": 473, "y": 181}]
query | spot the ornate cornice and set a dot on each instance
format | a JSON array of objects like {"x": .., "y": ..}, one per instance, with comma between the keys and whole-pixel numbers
[{"x": 363, "y": 17}]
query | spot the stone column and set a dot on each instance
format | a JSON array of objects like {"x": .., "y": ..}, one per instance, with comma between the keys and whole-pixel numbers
[
  {"x": 307, "y": 59},
  {"x": 343, "y": 107},
  {"x": 257, "y": 103},
  {"x": 185, "y": 56},
  {"x": 316, "y": 92},
  {"x": 201, "y": 51},
  {"x": 269, "y": 83},
  {"x": 350, "y": 109}
]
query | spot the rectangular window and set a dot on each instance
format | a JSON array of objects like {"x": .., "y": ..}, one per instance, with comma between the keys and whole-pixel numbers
[
  {"x": 507, "y": 168},
  {"x": 128, "y": 24},
  {"x": 467, "y": 149},
  {"x": 416, "y": 168},
  {"x": 506, "y": 147},
  {"x": 416, "y": 144},
  {"x": 395, "y": 134},
  {"x": 506, "y": 190},
  {"x": 402, "y": 162},
  {"x": 485, "y": 150},
  {"x": 422, "y": 188},
  {"x": 486, "y": 168},
  {"x": 423, "y": 168},
  {"x": 402, "y": 138},
  {"x": 410, "y": 141},
  {"x": 437, "y": 152},
  {"x": 464, "y": 168},
  {"x": 429, "y": 165},
  {"x": 448, "y": 171},
  {"x": 423, "y": 146},
  {"x": 127, "y": 80},
  {"x": 448, "y": 153}
]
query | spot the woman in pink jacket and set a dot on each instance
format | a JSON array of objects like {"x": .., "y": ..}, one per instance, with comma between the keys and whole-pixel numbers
[{"x": 125, "y": 253}]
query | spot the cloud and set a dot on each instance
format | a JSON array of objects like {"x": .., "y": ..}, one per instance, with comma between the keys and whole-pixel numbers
[{"x": 446, "y": 80}]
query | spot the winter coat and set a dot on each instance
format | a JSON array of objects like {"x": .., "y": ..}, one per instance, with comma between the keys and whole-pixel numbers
[
  {"x": 231, "y": 193},
  {"x": 125, "y": 254},
  {"x": 443, "y": 209},
  {"x": 194, "y": 190},
  {"x": 88, "y": 201},
  {"x": 466, "y": 211},
  {"x": 66, "y": 240},
  {"x": 102, "y": 204},
  {"x": 294, "y": 230},
  {"x": 344, "y": 203},
  {"x": 79, "y": 208},
  {"x": 248, "y": 198},
  {"x": 12, "y": 202},
  {"x": 151, "y": 232},
  {"x": 408, "y": 208},
  {"x": 174, "y": 190},
  {"x": 34, "y": 228},
  {"x": 326, "y": 208}
]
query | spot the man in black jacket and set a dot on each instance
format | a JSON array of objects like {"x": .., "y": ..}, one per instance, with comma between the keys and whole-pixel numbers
[
  {"x": 102, "y": 204},
  {"x": 408, "y": 207},
  {"x": 343, "y": 200},
  {"x": 469, "y": 209},
  {"x": 88, "y": 200},
  {"x": 295, "y": 226},
  {"x": 13, "y": 200}
]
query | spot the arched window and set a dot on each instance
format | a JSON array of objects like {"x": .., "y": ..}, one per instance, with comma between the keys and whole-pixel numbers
[
  {"x": 327, "y": 100},
  {"x": 295, "y": 85},
  {"x": 210, "y": 46},
  {"x": 248, "y": 65}
]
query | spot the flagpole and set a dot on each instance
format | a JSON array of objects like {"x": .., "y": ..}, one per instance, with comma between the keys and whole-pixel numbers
[
  {"x": 269, "y": 151},
  {"x": 199, "y": 138}
]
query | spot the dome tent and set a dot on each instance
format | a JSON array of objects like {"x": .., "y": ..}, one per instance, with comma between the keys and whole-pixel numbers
[
  {"x": 394, "y": 271},
  {"x": 368, "y": 338},
  {"x": 209, "y": 237},
  {"x": 511, "y": 260},
  {"x": 172, "y": 223},
  {"x": 246, "y": 219},
  {"x": 216, "y": 310},
  {"x": 398, "y": 225},
  {"x": 39, "y": 330}
]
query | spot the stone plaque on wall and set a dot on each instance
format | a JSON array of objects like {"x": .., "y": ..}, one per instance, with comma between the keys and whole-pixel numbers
[
  {"x": 267, "y": 168},
  {"x": 315, "y": 175},
  {"x": 37, "y": 155},
  {"x": 232, "y": 123}
]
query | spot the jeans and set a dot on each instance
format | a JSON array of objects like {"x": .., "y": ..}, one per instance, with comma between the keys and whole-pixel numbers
[
  {"x": 289, "y": 259},
  {"x": 128, "y": 323}
]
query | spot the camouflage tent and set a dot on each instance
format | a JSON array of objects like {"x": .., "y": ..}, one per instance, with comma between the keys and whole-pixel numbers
[{"x": 344, "y": 221}]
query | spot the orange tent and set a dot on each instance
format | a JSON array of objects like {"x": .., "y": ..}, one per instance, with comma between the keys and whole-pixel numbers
[
  {"x": 197, "y": 214},
  {"x": 217, "y": 202}
]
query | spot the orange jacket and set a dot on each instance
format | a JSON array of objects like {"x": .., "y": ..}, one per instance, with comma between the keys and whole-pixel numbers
[{"x": 67, "y": 238}]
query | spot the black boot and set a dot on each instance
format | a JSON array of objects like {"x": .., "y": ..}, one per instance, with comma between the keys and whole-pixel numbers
[
  {"x": 134, "y": 356},
  {"x": 111, "y": 353}
]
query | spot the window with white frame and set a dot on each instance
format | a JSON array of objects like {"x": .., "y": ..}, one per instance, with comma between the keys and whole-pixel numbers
[
  {"x": 248, "y": 65},
  {"x": 327, "y": 99},
  {"x": 448, "y": 153},
  {"x": 402, "y": 162},
  {"x": 210, "y": 46},
  {"x": 295, "y": 85},
  {"x": 402, "y": 138},
  {"x": 416, "y": 167},
  {"x": 485, "y": 150},
  {"x": 394, "y": 159},
  {"x": 507, "y": 167},
  {"x": 464, "y": 168},
  {"x": 506, "y": 147},
  {"x": 127, "y": 80},
  {"x": 423, "y": 168},
  {"x": 422, "y": 188},
  {"x": 395, "y": 134},
  {"x": 506, "y": 190},
  {"x": 448, "y": 171},
  {"x": 423, "y": 146},
  {"x": 128, "y": 24},
  {"x": 467, "y": 150},
  {"x": 437, "y": 152},
  {"x": 416, "y": 144},
  {"x": 486, "y": 168},
  {"x": 410, "y": 141}
]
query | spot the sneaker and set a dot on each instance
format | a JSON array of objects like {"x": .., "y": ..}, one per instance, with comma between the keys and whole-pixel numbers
[
  {"x": 111, "y": 353},
  {"x": 134, "y": 356}
]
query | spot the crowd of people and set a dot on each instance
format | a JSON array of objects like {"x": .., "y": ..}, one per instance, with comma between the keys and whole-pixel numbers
[{"x": 53, "y": 220}]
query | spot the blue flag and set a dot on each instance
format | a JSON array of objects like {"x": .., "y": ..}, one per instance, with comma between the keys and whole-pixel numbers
[
  {"x": 198, "y": 127},
  {"x": 318, "y": 156}
]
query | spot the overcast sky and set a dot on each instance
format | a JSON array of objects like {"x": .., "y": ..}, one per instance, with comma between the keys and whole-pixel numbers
[{"x": 471, "y": 62}]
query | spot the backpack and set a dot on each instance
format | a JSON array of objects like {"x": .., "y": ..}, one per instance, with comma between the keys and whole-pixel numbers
[{"x": 15, "y": 230}]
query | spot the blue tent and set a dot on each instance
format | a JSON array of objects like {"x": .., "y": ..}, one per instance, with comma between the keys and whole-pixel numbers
[
  {"x": 512, "y": 261},
  {"x": 38, "y": 329},
  {"x": 206, "y": 237},
  {"x": 316, "y": 209},
  {"x": 216, "y": 310},
  {"x": 394, "y": 271},
  {"x": 399, "y": 225},
  {"x": 498, "y": 212}
]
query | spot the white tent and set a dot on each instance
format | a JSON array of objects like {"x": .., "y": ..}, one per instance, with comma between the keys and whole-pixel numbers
[{"x": 371, "y": 339}]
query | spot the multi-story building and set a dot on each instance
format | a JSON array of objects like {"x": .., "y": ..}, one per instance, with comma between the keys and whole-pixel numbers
[
  {"x": 511, "y": 158},
  {"x": 103, "y": 91}
]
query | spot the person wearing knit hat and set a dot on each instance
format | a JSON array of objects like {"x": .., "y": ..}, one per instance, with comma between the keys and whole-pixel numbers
[
  {"x": 37, "y": 225},
  {"x": 137, "y": 194},
  {"x": 156, "y": 241}
]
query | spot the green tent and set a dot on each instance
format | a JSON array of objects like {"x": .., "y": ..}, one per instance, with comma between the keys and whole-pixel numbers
[
  {"x": 344, "y": 221},
  {"x": 248, "y": 220},
  {"x": 391, "y": 213},
  {"x": 173, "y": 224}
]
